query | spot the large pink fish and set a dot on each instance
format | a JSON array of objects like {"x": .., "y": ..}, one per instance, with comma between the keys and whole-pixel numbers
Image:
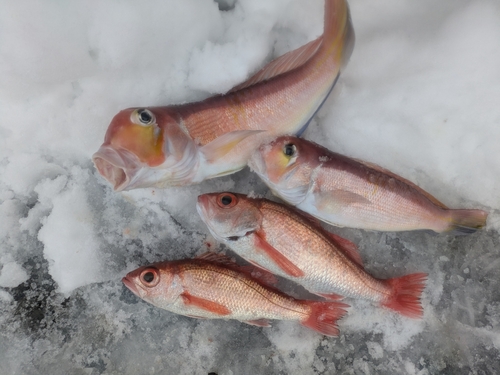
[
  {"x": 186, "y": 144},
  {"x": 350, "y": 193},
  {"x": 283, "y": 241},
  {"x": 212, "y": 287}
]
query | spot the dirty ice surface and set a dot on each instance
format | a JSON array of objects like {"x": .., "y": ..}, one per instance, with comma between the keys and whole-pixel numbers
[{"x": 420, "y": 97}]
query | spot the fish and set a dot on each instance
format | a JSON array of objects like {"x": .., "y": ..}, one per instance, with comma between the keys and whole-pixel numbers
[
  {"x": 211, "y": 286},
  {"x": 347, "y": 192},
  {"x": 185, "y": 144},
  {"x": 285, "y": 242}
]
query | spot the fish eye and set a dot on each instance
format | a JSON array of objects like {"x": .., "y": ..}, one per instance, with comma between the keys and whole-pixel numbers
[
  {"x": 150, "y": 277},
  {"x": 227, "y": 200},
  {"x": 289, "y": 149},
  {"x": 143, "y": 116}
]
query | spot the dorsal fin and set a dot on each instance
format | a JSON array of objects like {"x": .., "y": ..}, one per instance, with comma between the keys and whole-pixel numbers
[
  {"x": 256, "y": 272},
  {"x": 282, "y": 64},
  {"x": 216, "y": 257},
  {"x": 403, "y": 180}
]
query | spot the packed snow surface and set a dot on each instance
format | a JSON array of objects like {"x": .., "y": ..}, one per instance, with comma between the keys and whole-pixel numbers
[{"x": 420, "y": 97}]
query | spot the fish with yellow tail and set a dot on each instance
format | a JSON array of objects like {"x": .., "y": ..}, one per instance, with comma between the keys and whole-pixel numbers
[
  {"x": 186, "y": 144},
  {"x": 283, "y": 241},
  {"x": 213, "y": 287},
  {"x": 350, "y": 193}
]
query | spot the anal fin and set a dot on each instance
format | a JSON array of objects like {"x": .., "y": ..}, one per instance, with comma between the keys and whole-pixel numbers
[
  {"x": 258, "y": 322},
  {"x": 330, "y": 296},
  {"x": 347, "y": 247}
]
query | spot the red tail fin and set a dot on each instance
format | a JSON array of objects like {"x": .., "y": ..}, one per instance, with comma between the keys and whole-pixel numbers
[
  {"x": 324, "y": 315},
  {"x": 406, "y": 293}
]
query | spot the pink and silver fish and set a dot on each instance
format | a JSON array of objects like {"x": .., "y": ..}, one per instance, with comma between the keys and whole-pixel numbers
[
  {"x": 351, "y": 193},
  {"x": 283, "y": 241},
  {"x": 212, "y": 287},
  {"x": 186, "y": 144}
]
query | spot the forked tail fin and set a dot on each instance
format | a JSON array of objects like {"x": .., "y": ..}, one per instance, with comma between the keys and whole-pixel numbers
[
  {"x": 338, "y": 31},
  {"x": 406, "y": 294},
  {"x": 467, "y": 221},
  {"x": 324, "y": 315}
]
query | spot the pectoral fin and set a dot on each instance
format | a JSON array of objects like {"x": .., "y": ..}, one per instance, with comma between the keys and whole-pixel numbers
[
  {"x": 205, "y": 304},
  {"x": 334, "y": 201},
  {"x": 222, "y": 145},
  {"x": 279, "y": 259}
]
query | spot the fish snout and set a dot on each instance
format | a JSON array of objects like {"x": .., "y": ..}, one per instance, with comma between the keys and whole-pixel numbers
[
  {"x": 203, "y": 207},
  {"x": 131, "y": 286}
]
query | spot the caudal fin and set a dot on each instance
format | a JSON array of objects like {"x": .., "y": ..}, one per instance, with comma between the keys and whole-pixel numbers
[
  {"x": 338, "y": 31},
  {"x": 324, "y": 315},
  {"x": 467, "y": 221},
  {"x": 406, "y": 294}
]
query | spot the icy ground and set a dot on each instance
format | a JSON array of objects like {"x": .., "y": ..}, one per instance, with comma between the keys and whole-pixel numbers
[{"x": 420, "y": 97}]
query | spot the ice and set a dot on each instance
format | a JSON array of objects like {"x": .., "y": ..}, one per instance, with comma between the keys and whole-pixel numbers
[
  {"x": 419, "y": 97},
  {"x": 12, "y": 274}
]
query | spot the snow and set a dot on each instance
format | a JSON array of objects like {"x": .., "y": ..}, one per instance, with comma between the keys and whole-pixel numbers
[{"x": 419, "y": 97}]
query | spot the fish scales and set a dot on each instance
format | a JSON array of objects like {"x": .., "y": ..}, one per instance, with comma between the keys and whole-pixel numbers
[
  {"x": 283, "y": 241},
  {"x": 324, "y": 264},
  {"x": 220, "y": 284},
  {"x": 185, "y": 144},
  {"x": 214, "y": 287},
  {"x": 351, "y": 193}
]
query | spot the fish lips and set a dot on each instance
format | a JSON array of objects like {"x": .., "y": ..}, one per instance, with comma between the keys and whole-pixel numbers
[
  {"x": 117, "y": 167},
  {"x": 203, "y": 206},
  {"x": 130, "y": 285}
]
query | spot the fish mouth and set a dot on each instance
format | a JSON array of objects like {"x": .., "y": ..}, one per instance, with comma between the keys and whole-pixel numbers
[
  {"x": 114, "y": 166},
  {"x": 203, "y": 206},
  {"x": 130, "y": 285}
]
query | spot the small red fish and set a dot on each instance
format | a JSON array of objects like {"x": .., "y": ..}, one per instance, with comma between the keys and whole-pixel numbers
[
  {"x": 285, "y": 242},
  {"x": 213, "y": 287},
  {"x": 351, "y": 193},
  {"x": 186, "y": 144}
]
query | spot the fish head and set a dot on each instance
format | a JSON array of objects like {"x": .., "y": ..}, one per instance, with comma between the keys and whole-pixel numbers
[
  {"x": 156, "y": 283},
  {"x": 286, "y": 165},
  {"x": 229, "y": 216},
  {"x": 144, "y": 147}
]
